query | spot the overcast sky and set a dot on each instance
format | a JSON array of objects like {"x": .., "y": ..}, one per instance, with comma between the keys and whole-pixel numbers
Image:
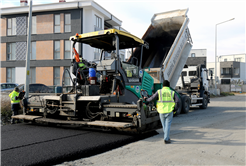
[{"x": 204, "y": 15}]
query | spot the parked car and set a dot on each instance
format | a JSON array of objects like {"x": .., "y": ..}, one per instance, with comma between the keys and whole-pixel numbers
[
  {"x": 8, "y": 86},
  {"x": 35, "y": 88}
]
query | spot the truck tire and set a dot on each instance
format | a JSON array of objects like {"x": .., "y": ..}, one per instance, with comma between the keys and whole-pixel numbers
[
  {"x": 204, "y": 102},
  {"x": 185, "y": 104},
  {"x": 180, "y": 108}
]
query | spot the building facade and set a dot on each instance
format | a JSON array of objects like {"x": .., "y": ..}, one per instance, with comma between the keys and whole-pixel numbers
[
  {"x": 229, "y": 67},
  {"x": 197, "y": 56},
  {"x": 51, "y": 50}
]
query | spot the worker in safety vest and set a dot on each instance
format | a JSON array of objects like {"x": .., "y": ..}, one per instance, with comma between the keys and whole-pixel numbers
[
  {"x": 15, "y": 102},
  {"x": 167, "y": 102}
]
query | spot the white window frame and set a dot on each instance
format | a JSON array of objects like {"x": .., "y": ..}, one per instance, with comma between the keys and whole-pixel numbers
[
  {"x": 98, "y": 23},
  {"x": 11, "y": 26},
  {"x": 67, "y": 24},
  {"x": 32, "y": 75},
  {"x": 11, "y": 53},
  {"x": 56, "y": 77},
  {"x": 33, "y": 51},
  {"x": 67, "y": 53},
  {"x": 66, "y": 76},
  {"x": 57, "y": 26},
  {"x": 11, "y": 78},
  {"x": 238, "y": 59},
  {"x": 56, "y": 50},
  {"x": 193, "y": 54},
  {"x": 34, "y": 25}
]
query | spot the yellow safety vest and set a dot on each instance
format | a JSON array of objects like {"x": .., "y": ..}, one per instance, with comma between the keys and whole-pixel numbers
[
  {"x": 165, "y": 103},
  {"x": 81, "y": 64},
  {"x": 12, "y": 96}
]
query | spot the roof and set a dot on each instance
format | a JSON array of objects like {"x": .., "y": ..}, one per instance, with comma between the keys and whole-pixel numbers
[{"x": 103, "y": 39}]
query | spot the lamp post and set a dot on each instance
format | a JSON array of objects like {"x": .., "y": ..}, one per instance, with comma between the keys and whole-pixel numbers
[
  {"x": 28, "y": 53},
  {"x": 215, "y": 75}
]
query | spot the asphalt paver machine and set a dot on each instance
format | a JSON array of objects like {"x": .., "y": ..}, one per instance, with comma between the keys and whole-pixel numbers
[{"x": 111, "y": 97}]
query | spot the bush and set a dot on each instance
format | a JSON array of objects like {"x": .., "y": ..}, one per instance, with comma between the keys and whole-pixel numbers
[
  {"x": 227, "y": 94},
  {"x": 5, "y": 109}
]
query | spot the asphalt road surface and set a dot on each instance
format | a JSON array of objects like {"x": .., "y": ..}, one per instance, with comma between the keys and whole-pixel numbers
[
  {"x": 27, "y": 144},
  {"x": 214, "y": 136}
]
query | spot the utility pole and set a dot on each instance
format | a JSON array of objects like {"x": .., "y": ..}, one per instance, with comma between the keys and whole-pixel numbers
[
  {"x": 215, "y": 68},
  {"x": 28, "y": 53}
]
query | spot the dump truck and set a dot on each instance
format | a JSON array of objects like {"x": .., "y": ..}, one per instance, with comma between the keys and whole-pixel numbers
[
  {"x": 111, "y": 93},
  {"x": 170, "y": 44}
]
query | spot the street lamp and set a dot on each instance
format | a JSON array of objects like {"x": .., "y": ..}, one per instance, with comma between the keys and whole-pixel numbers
[{"x": 215, "y": 70}]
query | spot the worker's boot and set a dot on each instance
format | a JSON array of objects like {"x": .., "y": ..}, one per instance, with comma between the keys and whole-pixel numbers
[{"x": 167, "y": 141}]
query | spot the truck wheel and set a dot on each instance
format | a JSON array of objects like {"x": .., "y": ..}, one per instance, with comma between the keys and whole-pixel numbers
[
  {"x": 204, "y": 102},
  {"x": 180, "y": 108},
  {"x": 185, "y": 104}
]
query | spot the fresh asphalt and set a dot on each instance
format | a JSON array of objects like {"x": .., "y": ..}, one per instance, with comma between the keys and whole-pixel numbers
[{"x": 29, "y": 144}]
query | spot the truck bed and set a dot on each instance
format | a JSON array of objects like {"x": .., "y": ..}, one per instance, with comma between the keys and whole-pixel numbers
[{"x": 169, "y": 44}]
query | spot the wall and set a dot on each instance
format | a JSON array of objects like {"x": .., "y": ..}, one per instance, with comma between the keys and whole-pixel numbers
[
  {"x": 88, "y": 26},
  {"x": 3, "y": 52},
  {"x": 232, "y": 57},
  {"x": 45, "y": 75},
  {"x": 212, "y": 65},
  {"x": 3, "y": 75},
  {"x": 45, "y": 24},
  {"x": 227, "y": 88},
  {"x": 3, "y": 26},
  {"x": 199, "y": 52},
  {"x": 243, "y": 71},
  {"x": 44, "y": 50},
  {"x": 194, "y": 61}
]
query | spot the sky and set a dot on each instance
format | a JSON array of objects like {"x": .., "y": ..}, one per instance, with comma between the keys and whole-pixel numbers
[{"x": 204, "y": 15}]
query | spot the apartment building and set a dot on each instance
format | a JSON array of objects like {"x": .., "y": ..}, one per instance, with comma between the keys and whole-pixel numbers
[
  {"x": 52, "y": 25},
  {"x": 229, "y": 67},
  {"x": 197, "y": 56}
]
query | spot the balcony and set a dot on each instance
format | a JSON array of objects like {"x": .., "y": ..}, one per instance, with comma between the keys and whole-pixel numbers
[{"x": 230, "y": 69}]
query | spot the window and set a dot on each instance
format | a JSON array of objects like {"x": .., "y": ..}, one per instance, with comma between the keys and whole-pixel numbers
[
  {"x": 33, "y": 51},
  {"x": 96, "y": 53},
  {"x": 184, "y": 73},
  {"x": 237, "y": 59},
  {"x": 67, "y": 49},
  {"x": 226, "y": 71},
  {"x": 98, "y": 23},
  {"x": 225, "y": 60},
  {"x": 236, "y": 71},
  {"x": 10, "y": 75},
  {"x": 193, "y": 55},
  {"x": 56, "y": 75},
  {"x": 67, "y": 22},
  {"x": 57, "y": 23},
  {"x": 11, "y": 26},
  {"x": 34, "y": 25},
  {"x": 192, "y": 73},
  {"x": 11, "y": 51},
  {"x": 66, "y": 77},
  {"x": 32, "y": 75},
  {"x": 57, "y": 50}
]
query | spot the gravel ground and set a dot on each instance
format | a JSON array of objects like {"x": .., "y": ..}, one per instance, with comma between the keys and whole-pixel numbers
[{"x": 214, "y": 136}]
